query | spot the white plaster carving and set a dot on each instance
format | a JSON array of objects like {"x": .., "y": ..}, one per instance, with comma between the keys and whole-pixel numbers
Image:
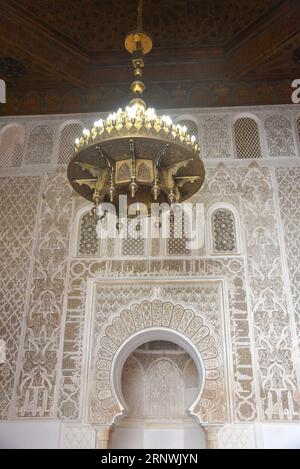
[
  {"x": 248, "y": 300},
  {"x": 236, "y": 437},
  {"x": 2, "y": 352},
  {"x": 78, "y": 436},
  {"x": 18, "y": 209},
  {"x": 40, "y": 145},
  {"x": 279, "y": 135}
]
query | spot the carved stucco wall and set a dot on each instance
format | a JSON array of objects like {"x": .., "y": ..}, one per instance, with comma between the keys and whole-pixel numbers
[
  {"x": 38, "y": 345},
  {"x": 288, "y": 180},
  {"x": 37, "y": 379},
  {"x": 19, "y": 198},
  {"x": 44, "y": 291},
  {"x": 273, "y": 343},
  {"x": 203, "y": 331},
  {"x": 159, "y": 380}
]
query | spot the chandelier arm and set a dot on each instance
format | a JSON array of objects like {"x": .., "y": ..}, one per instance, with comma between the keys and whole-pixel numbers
[
  {"x": 133, "y": 159},
  {"x": 104, "y": 156},
  {"x": 161, "y": 155}
]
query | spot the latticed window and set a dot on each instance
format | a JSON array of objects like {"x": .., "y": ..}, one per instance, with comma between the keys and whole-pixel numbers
[
  {"x": 192, "y": 127},
  {"x": 134, "y": 244},
  {"x": 12, "y": 147},
  {"x": 224, "y": 231},
  {"x": 88, "y": 242},
  {"x": 298, "y": 127},
  {"x": 247, "y": 142},
  {"x": 177, "y": 241},
  {"x": 40, "y": 144},
  {"x": 67, "y": 141}
]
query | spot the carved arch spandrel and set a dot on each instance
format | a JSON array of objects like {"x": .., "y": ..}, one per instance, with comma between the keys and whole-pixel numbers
[{"x": 139, "y": 322}]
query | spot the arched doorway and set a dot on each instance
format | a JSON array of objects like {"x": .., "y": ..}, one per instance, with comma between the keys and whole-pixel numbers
[
  {"x": 130, "y": 328},
  {"x": 159, "y": 382}
]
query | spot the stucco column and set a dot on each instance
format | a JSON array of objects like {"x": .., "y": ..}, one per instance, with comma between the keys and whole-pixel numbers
[
  {"x": 211, "y": 436},
  {"x": 103, "y": 434}
]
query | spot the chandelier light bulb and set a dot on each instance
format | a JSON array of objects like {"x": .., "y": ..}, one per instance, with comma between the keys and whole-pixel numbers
[
  {"x": 98, "y": 123},
  {"x": 150, "y": 113},
  {"x": 167, "y": 120},
  {"x": 131, "y": 111}
]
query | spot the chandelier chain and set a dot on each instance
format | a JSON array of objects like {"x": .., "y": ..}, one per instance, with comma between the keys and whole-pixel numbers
[{"x": 140, "y": 15}]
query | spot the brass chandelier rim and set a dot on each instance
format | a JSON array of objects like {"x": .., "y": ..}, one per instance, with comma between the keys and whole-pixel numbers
[{"x": 90, "y": 155}]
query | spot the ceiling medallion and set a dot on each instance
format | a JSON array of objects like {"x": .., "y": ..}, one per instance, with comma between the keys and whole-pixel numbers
[{"x": 135, "y": 152}]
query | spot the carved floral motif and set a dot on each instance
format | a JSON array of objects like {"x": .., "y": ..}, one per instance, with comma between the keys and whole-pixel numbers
[
  {"x": 18, "y": 209},
  {"x": 40, "y": 354}
]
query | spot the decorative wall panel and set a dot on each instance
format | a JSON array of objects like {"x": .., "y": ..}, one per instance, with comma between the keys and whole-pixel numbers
[
  {"x": 78, "y": 437},
  {"x": 154, "y": 372},
  {"x": 164, "y": 390},
  {"x": 88, "y": 244},
  {"x": 246, "y": 136},
  {"x": 223, "y": 231},
  {"x": 170, "y": 316},
  {"x": 178, "y": 242},
  {"x": 12, "y": 146},
  {"x": 231, "y": 269},
  {"x": 19, "y": 198},
  {"x": 40, "y": 354},
  {"x": 255, "y": 330},
  {"x": 298, "y": 128},
  {"x": 216, "y": 137},
  {"x": 276, "y": 373},
  {"x": 279, "y": 135},
  {"x": 40, "y": 143},
  {"x": 288, "y": 180},
  {"x": 134, "y": 244},
  {"x": 236, "y": 437},
  {"x": 67, "y": 142}
]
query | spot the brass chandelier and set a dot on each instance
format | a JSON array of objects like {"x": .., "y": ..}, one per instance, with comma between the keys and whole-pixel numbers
[{"x": 135, "y": 152}]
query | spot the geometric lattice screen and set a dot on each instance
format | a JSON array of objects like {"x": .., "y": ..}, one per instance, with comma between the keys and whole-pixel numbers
[
  {"x": 246, "y": 135},
  {"x": 67, "y": 141},
  {"x": 177, "y": 241},
  {"x": 224, "y": 231},
  {"x": 12, "y": 147},
  {"x": 88, "y": 243},
  {"x": 298, "y": 128},
  {"x": 40, "y": 145},
  {"x": 192, "y": 127},
  {"x": 134, "y": 244}
]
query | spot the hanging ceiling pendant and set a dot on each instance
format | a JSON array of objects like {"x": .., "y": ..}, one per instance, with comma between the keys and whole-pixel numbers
[{"x": 135, "y": 152}]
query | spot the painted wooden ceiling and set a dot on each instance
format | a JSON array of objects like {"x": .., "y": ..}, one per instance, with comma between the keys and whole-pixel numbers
[{"x": 68, "y": 55}]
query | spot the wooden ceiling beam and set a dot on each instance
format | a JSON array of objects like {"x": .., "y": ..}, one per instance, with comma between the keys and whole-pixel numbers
[
  {"x": 66, "y": 64},
  {"x": 41, "y": 47},
  {"x": 260, "y": 42}
]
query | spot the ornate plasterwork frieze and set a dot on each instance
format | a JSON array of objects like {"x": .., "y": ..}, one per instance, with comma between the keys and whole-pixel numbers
[
  {"x": 18, "y": 209},
  {"x": 36, "y": 386},
  {"x": 81, "y": 270}
]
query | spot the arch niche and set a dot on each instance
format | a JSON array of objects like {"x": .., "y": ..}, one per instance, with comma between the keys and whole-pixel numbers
[{"x": 151, "y": 320}]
